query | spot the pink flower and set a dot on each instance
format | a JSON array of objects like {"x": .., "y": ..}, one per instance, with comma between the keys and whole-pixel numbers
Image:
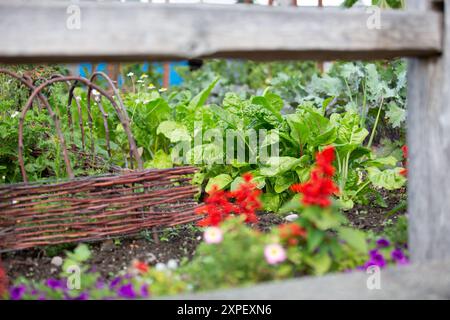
[
  {"x": 274, "y": 253},
  {"x": 213, "y": 235}
]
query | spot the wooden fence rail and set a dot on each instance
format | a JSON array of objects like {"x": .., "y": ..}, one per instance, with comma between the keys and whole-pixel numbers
[{"x": 138, "y": 31}]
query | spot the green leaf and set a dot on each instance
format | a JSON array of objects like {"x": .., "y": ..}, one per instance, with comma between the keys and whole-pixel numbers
[
  {"x": 232, "y": 120},
  {"x": 174, "y": 131},
  {"x": 321, "y": 262},
  {"x": 236, "y": 183},
  {"x": 355, "y": 238},
  {"x": 395, "y": 115},
  {"x": 389, "y": 179},
  {"x": 200, "y": 99},
  {"x": 161, "y": 160},
  {"x": 381, "y": 162},
  {"x": 262, "y": 101},
  {"x": 274, "y": 100},
  {"x": 270, "y": 201},
  {"x": 221, "y": 181},
  {"x": 278, "y": 165},
  {"x": 293, "y": 205},
  {"x": 324, "y": 219},
  {"x": 282, "y": 183},
  {"x": 315, "y": 238},
  {"x": 310, "y": 127},
  {"x": 349, "y": 134}
]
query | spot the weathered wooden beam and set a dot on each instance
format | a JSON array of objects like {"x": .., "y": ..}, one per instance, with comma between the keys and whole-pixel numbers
[
  {"x": 38, "y": 32},
  {"x": 429, "y": 146},
  {"x": 422, "y": 281}
]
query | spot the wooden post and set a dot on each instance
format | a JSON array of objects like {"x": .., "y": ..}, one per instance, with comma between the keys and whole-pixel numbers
[
  {"x": 429, "y": 149},
  {"x": 166, "y": 70},
  {"x": 320, "y": 64}
]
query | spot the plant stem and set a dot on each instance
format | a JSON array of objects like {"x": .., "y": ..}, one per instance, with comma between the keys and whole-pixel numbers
[
  {"x": 362, "y": 187},
  {"x": 372, "y": 135}
]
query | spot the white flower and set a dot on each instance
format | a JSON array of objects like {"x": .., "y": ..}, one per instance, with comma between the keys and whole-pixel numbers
[
  {"x": 291, "y": 217},
  {"x": 172, "y": 264},
  {"x": 160, "y": 266},
  {"x": 78, "y": 98},
  {"x": 162, "y": 90},
  {"x": 274, "y": 253},
  {"x": 130, "y": 74},
  {"x": 140, "y": 81},
  {"x": 57, "y": 261},
  {"x": 144, "y": 76},
  {"x": 137, "y": 101},
  {"x": 95, "y": 92},
  {"x": 151, "y": 86},
  {"x": 213, "y": 235},
  {"x": 15, "y": 114}
]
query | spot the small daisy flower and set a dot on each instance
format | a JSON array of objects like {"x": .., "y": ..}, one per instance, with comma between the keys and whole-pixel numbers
[
  {"x": 172, "y": 264},
  {"x": 213, "y": 235},
  {"x": 15, "y": 114},
  {"x": 160, "y": 266},
  {"x": 274, "y": 253},
  {"x": 130, "y": 74},
  {"x": 162, "y": 90},
  {"x": 95, "y": 92}
]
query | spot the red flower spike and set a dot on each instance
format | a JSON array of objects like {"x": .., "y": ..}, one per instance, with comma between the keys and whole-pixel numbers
[
  {"x": 222, "y": 204},
  {"x": 247, "y": 177},
  {"x": 320, "y": 186},
  {"x": 404, "y": 172},
  {"x": 405, "y": 151},
  {"x": 140, "y": 266},
  {"x": 291, "y": 233},
  {"x": 3, "y": 281}
]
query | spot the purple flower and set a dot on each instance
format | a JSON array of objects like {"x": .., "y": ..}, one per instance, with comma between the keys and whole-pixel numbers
[
  {"x": 54, "y": 284},
  {"x": 115, "y": 282},
  {"x": 376, "y": 259},
  {"x": 126, "y": 291},
  {"x": 17, "y": 292},
  {"x": 399, "y": 257},
  {"x": 82, "y": 296},
  {"x": 99, "y": 284},
  {"x": 144, "y": 291},
  {"x": 383, "y": 243}
]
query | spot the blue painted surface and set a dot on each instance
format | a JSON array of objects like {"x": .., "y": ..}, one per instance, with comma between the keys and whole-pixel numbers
[{"x": 85, "y": 69}]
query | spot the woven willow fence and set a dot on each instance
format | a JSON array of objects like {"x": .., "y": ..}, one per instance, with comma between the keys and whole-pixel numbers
[{"x": 124, "y": 202}]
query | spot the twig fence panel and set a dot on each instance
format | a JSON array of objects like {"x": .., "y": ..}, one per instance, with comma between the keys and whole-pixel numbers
[{"x": 90, "y": 208}]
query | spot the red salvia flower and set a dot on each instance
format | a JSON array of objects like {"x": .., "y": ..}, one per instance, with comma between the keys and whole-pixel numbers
[
  {"x": 221, "y": 204},
  {"x": 320, "y": 186},
  {"x": 291, "y": 233},
  {"x": 3, "y": 281},
  {"x": 404, "y": 171},
  {"x": 324, "y": 161},
  {"x": 140, "y": 266}
]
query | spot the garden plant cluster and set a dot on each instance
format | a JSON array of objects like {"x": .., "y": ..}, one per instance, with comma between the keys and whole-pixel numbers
[{"x": 340, "y": 136}]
